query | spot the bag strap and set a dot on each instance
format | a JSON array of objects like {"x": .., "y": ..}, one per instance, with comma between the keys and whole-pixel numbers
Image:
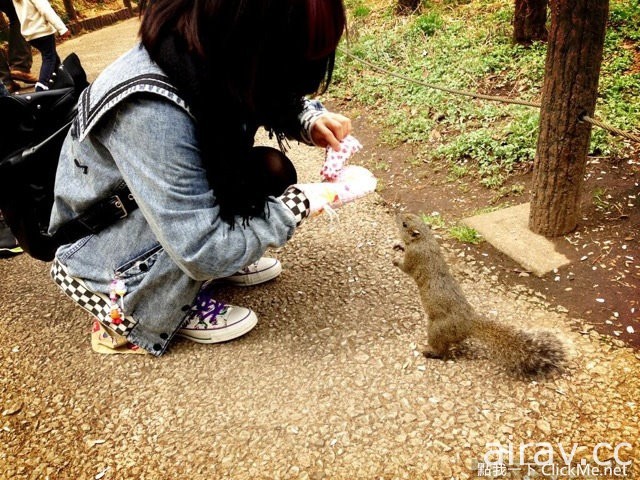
[{"x": 98, "y": 217}]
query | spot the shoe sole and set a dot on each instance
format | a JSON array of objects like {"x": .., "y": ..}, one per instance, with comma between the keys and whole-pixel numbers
[
  {"x": 254, "y": 278},
  {"x": 226, "y": 334},
  {"x": 10, "y": 252}
]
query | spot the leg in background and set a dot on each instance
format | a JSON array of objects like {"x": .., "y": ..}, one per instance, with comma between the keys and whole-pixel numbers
[
  {"x": 50, "y": 60},
  {"x": 20, "y": 57}
]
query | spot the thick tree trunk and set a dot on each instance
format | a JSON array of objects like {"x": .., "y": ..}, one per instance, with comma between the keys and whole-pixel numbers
[
  {"x": 570, "y": 89},
  {"x": 530, "y": 21},
  {"x": 71, "y": 11},
  {"x": 404, "y": 7}
]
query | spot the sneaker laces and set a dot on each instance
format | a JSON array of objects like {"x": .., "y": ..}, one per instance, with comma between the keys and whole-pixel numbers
[{"x": 206, "y": 310}]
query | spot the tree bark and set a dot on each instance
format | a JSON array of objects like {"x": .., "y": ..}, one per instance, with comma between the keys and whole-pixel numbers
[
  {"x": 570, "y": 89},
  {"x": 127, "y": 4},
  {"x": 404, "y": 7},
  {"x": 71, "y": 11},
  {"x": 530, "y": 21}
]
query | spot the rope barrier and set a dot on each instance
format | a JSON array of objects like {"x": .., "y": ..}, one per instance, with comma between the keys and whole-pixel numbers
[
  {"x": 612, "y": 129},
  {"x": 513, "y": 101},
  {"x": 482, "y": 96}
]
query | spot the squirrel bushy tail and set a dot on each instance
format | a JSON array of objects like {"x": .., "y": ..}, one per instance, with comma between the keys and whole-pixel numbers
[{"x": 526, "y": 353}]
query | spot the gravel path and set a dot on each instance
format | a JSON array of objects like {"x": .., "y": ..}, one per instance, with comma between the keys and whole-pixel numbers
[{"x": 330, "y": 384}]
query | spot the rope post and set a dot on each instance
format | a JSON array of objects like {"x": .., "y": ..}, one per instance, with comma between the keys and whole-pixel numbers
[{"x": 572, "y": 70}]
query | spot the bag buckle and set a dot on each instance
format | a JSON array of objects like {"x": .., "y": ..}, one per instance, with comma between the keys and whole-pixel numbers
[{"x": 118, "y": 204}]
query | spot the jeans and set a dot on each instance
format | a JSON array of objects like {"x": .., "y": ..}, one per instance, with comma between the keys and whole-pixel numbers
[
  {"x": 50, "y": 58},
  {"x": 19, "y": 50}
]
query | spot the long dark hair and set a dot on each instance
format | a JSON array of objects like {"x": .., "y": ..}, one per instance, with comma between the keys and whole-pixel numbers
[{"x": 253, "y": 60}]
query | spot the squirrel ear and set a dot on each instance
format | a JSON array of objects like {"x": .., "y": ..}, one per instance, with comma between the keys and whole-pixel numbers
[{"x": 415, "y": 233}]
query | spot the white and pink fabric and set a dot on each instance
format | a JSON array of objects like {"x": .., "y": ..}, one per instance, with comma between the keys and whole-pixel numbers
[{"x": 341, "y": 183}]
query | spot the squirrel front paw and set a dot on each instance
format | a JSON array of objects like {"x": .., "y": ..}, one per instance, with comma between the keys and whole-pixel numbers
[
  {"x": 398, "y": 246},
  {"x": 399, "y": 260}
]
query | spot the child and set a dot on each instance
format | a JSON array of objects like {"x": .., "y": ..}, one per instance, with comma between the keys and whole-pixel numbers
[{"x": 39, "y": 24}]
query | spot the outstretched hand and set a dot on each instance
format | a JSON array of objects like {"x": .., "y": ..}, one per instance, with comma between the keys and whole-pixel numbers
[{"x": 330, "y": 129}]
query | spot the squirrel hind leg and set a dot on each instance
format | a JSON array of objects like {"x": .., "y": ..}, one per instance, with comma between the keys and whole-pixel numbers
[
  {"x": 449, "y": 352},
  {"x": 437, "y": 350},
  {"x": 430, "y": 352}
]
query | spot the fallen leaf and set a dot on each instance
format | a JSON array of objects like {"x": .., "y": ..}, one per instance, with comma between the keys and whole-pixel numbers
[{"x": 101, "y": 474}]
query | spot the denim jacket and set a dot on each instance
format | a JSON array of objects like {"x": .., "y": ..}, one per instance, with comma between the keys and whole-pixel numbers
[{"x": 141, "y": 132}]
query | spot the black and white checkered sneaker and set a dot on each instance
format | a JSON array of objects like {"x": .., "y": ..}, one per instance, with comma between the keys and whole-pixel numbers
[
  {"x": 297, "y": 202},
  {"x": 97, "y": 304}
]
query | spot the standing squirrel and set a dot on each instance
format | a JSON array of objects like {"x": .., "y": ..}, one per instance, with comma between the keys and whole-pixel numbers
[{"x": 452, "y": 319}]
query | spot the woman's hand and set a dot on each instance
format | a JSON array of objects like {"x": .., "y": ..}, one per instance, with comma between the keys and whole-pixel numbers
[{"x": 330, "y": 129}]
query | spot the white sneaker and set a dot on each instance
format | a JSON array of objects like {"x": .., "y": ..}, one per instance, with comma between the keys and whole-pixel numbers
[
  {"x": 210, "y": 321},
  {"x": 258, "y": 272}
]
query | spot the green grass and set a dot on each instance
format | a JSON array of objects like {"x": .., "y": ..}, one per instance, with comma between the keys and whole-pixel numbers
[
  {"x": 467, "y": 46},
  {"x": 459, "y": 232},
  {"x": 433, "y": 220},
  {"x": 600, "y": 198},
  {"x": 465, "y": 234}
]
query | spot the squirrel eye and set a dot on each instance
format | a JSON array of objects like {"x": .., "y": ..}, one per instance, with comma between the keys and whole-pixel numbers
[{"x": 404, "y": 225}]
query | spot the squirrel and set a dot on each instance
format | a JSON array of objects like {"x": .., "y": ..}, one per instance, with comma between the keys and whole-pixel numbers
[{"x": 452, "y": 319}]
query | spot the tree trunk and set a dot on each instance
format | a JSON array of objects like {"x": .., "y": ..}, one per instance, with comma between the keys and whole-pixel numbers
[
  {"x": 570, "y": 89},
  {"x": 71, "y": 11},
  {"x": 127, "y": 4},
  {"x": 530, "y": 21},
  {"x": 404, "y": 7}
]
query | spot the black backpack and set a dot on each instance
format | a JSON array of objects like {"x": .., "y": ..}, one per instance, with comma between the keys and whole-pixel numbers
[{"x": 33, "y": 127}]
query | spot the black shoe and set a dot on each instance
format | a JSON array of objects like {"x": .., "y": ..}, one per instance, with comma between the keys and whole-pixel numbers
[
  {"x": 8, "y": 243},
  {"x": 12, "y": 86}
]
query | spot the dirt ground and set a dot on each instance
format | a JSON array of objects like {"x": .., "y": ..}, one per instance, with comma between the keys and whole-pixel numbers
[{"x": 602, "y": 283}]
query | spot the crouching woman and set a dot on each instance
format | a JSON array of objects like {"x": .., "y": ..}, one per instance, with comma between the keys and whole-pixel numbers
[{"x": 166, "y": 135}]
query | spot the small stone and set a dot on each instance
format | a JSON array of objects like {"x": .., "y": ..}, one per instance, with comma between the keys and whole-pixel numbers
[
  {"x": 409, "y": 417},
  {"x": 535, "y": 406},
  {"x": 93, "y": 443},
  {"x": 361, "y": 357},
  {"x": 544, "y": 426},
  {"x": 12, "y": 410}
]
